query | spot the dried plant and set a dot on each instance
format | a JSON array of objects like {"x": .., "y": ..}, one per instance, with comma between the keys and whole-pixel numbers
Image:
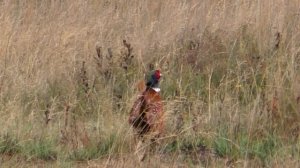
[
  {"x": 74, "y": 133},
  {"x": 150, "y": 67},
  {"x": 64, "y": 131},
  {"x": 99, "y": 58},
  {"x": 84, "y": 78},
  {"x": 47, "y": 114},
  {"x": 277, "y": 40},
  {"x": 105, "y": 64},
  {"x": 127, "y": 57}
]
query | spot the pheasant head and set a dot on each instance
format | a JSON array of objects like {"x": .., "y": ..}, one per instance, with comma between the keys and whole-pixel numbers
[{"x": 152, "y": 80}]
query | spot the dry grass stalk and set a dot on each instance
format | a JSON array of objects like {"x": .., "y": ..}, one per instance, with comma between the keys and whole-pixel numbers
[
  {"x": 84, "y": 78},
  {"x": 127, "y": 57},
  {"x": 105, "y": 63},
  {"x": 64, "y": 131},
  {"x": 277, "y": 40},
  {"x": 47, "y": 114},
  {"x": 273, "y": 107},
  {"x": 74, "y": 134},
  {"x": 99, "y": 58}
]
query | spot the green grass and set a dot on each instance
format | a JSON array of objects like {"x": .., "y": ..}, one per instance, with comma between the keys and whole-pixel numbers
[
  {"x": 223, "y": 147},
  {"x": 9, "y": 145},
  {"x": 43, "y": 149},
  {"x": 103, "y": 148}
]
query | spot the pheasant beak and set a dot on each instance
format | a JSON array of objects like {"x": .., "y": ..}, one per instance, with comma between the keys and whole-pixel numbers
[{"x": 160, "y": 75}]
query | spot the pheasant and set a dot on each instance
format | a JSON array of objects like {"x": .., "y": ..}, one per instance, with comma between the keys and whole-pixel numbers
[{"x": 146, "y": 115}]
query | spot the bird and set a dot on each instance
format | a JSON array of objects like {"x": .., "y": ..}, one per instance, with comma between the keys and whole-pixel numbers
[{"x": 146, "y": 115}]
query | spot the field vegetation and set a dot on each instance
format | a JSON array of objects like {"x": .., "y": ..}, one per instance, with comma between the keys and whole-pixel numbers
[{"x": 69, "y": 72}]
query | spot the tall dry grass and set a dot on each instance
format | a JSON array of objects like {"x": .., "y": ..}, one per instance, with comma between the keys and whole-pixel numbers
[{"x": 231, "y": 81}]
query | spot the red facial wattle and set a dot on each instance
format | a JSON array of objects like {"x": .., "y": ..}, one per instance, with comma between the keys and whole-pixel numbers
[{"x": 157, "y": 74}]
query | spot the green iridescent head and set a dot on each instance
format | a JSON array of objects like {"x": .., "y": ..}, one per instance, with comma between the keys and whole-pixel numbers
[{"x": 152, "y": 79}]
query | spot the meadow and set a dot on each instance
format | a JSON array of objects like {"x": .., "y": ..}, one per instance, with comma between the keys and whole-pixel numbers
[{"x": 69, "y": 72}]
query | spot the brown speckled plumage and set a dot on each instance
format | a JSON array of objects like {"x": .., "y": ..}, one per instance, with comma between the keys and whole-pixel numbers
[{"x": 146, "y": 115}]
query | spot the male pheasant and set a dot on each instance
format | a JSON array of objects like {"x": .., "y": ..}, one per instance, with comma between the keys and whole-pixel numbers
[{"x": 146, "y": 115}]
